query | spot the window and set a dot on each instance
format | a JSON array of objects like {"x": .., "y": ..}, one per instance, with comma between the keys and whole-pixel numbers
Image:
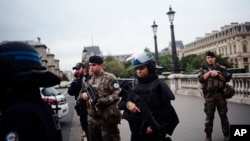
[
  {"x": 234, "y": 48},
  {"x": 245, "y": 59},
  {"x": 244, "y": 48}
]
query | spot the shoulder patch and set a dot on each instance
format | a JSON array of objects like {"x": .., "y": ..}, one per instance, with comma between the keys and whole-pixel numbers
[
  {"x": 12, "y": 136},
  {"x": 115, "y": 84}
]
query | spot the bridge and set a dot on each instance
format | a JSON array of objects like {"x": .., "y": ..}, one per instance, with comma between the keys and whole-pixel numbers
[
  {"x": 189, "y": 105},
  {"x": 189, "y": 85}
]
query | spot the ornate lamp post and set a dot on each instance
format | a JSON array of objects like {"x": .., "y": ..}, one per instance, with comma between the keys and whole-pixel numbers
[
  {"x": 175, "y": 60},
  {"x": 154, "y": 27},
  {"x": 84, "y": 55}
]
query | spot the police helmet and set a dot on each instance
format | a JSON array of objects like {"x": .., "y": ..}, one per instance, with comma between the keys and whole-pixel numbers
[
  {"x": 141, "y": 59},
  {"x": 20, "y": 63}
]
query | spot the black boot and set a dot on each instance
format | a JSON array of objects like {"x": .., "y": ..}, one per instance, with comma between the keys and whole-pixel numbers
[{"x": 208, "y": 137}]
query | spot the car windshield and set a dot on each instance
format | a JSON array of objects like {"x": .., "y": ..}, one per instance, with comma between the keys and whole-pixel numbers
[{"x": 50, "y": 91}]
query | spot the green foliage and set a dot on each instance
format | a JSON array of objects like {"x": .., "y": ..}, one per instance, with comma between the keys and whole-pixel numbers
[
  {"x": 146, "y": 49},
  {"x": 109, "y": 58},
  {"x": 189, "y": 64},
  {"x": 115, "y": 67},
  {"x": 223, "y": 61},
  {"x": 193, "y": 62},
  {"x": 165, "y": 61}
]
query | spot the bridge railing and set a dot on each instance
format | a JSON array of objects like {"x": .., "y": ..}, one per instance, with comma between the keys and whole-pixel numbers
[{"x": 189, "y": 85}]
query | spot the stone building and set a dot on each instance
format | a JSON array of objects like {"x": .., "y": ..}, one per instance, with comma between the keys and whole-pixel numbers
[
  {"x": 90, "y": 51},
  {"x": 48, "y": 59},
  {"x": 231, "y": 41}
]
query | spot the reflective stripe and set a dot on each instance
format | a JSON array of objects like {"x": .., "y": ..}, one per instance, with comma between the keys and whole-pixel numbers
[{"x": 22, "y": 55}]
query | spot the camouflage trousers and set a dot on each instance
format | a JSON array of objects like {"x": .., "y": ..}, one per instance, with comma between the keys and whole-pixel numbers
[
  {"x": 100, "y": 131},
  {"x": 213, "y": 101}
]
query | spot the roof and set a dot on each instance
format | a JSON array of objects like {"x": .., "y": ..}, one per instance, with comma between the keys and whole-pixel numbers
[{"x": 93, "y": 50}]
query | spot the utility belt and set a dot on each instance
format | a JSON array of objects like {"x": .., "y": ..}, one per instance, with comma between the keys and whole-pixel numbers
[{"x": 215, "y": 91}]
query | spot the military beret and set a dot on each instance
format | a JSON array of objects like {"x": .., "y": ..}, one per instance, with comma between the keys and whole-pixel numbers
[
  {"x": 209, "y": 53},
  {"x": 96, "y": 59},
  {"x": 79, "y": 65}
]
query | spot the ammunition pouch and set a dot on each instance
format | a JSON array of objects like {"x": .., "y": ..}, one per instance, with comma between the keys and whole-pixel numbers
[
  {"x": 229, "y": 91},
  {"x": 111, "y": 116}
]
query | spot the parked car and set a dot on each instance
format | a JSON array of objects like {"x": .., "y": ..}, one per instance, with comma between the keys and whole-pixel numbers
[
  {"x": 56, "y": 100},
  {"x": 63, "y": 84}
]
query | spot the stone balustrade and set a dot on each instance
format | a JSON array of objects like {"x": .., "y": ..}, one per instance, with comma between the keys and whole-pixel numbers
[{"x": 189, "y": 85}]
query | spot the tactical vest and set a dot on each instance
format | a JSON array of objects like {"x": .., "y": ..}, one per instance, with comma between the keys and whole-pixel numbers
[
  {"x": 213, "y": 83},
  {"x": 101, "y": 85}
]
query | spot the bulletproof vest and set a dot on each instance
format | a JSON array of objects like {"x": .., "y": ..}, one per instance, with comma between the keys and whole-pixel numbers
[
  {"x": 43, "y": 112},
  {"x": 148, "y": 92},
  {"x": 214, "y": 83}
]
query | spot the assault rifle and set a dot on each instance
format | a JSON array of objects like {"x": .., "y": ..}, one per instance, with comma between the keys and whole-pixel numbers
[
  {"x": 222, "y": 70},
  {"x": 145, "y": 111},
  {"x": 92, "y": 93}
]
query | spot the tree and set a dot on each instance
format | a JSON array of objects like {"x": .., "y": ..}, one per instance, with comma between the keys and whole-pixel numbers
[
  {"x": 115, "y": 67},
  {"x": 109, "y": 58},
  {"x": 165, "y": 61},
  {"x": 192, "y": 62}
]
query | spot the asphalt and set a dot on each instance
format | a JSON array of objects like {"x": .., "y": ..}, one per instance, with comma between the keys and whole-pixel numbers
[
  {"x": 75, "y": 131},
  {"x": 191, "y": 115}
]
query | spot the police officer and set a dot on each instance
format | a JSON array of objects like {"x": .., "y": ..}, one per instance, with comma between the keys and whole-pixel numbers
[
  {"x": 156, "y": 95},
  {"x": 103, "y": 116},
  {"x": 213, "y": 78},
  {"x": 25, "y": 116},
  {"x": 74, "y": 90}
]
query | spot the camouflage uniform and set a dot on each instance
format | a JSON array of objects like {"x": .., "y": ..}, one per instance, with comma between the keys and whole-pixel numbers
[
  {"x": 104, "y": 118},
  {"x": 214, "y": 98}
]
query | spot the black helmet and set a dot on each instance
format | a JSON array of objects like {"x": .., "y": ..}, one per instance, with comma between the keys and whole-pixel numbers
[{"x": 20, "y": 63}]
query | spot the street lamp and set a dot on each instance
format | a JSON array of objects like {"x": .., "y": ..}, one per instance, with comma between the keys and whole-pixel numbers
[
  {"x": 154, "y": 27},
  {"x": 175, "y": 60},
  {"x": 84, "y": 55}
]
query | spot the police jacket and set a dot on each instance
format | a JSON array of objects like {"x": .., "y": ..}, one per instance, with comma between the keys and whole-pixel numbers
[
  {"x": 75, "y": 88},
  {"x": 157, "y": 95},
  {"x": 26, "y": 117}
]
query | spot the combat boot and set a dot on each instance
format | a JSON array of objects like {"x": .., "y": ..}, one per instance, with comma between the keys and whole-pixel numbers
[{"x": 208, "y": 137}]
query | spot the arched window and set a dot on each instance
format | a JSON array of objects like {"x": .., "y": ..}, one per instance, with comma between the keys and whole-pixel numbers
[{"x": 244, "y": 48}]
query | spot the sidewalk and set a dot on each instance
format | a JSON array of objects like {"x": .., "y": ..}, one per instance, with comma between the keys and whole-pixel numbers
[{"x": 75, "y": 131}]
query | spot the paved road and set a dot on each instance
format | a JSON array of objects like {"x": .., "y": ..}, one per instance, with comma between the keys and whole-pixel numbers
[
  {"x": 190, "y": 128},
  {"x": 192, "y": 117}
]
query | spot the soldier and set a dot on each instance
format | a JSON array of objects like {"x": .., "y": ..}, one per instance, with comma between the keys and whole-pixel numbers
[
  {"x": 213, "y": 78},
  {"x": 25, "y": 116},
  {"x": 74, "y": 90},
  {"x": 104, "y": 116}
]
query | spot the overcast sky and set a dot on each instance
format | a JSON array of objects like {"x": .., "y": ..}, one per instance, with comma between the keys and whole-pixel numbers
[{"x": 116, "y": 26}]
